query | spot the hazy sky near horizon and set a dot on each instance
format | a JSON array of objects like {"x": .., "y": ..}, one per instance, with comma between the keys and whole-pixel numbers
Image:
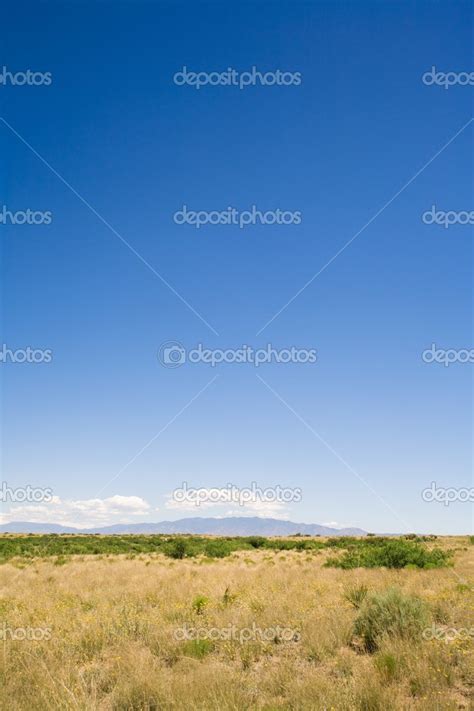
[{"x": 360, "y": 147}]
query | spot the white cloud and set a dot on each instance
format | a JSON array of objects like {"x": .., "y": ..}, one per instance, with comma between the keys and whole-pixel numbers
[{"x": 79, "y": 513}]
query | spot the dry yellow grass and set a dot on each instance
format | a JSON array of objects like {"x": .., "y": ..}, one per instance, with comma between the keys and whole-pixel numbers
[{"x": 113, "y": 623}]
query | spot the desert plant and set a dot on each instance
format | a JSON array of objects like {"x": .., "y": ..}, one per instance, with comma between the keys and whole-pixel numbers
[
  {"x": 356, "y": 594},
  {"x": 177, "y": 549},
  {"x": 387, "y": 665},
  {"x": 228, "y": 598},
  {"x": 390, "y": 614},
  {"x": 199, "y": 604},
  {"x": 218, "y": 549},
  {"x": 256, "y": 541}
]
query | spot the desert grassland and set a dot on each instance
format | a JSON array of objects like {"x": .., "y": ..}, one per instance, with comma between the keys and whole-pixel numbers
[{"x": 113, "y": 644}]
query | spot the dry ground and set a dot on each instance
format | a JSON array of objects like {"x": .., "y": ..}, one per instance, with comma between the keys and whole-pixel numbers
[{"x": 111, "y": 626}]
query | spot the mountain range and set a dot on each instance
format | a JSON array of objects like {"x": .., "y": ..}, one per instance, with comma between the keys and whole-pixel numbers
[{"x": 232, "y": 526}]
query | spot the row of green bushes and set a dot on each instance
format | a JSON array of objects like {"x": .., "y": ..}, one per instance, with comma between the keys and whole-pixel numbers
[
  {"x": 368, "y": 552},
  {"x": 39, "y": 546},
  {"x": 390, "y": 553}
]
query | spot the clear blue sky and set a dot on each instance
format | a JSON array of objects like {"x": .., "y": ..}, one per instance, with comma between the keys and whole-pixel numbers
[{"x": 337, "y": 148}]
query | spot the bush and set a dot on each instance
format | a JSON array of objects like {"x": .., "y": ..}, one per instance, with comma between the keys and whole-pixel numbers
[
  {"x": 218, "y": 549},
  {"x": 256, "y": 541},
  {"x": 390, "y": 614},
  {"x": 177, "y": 549}
]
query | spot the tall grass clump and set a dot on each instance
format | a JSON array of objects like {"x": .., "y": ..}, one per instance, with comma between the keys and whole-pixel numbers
[{"x": 356, "y": 594}]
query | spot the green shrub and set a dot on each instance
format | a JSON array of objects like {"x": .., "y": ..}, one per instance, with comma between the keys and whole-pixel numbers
[
  {"x": 218, "y": 549},
  {"x": 390, "y": 614},
  {"x": 177, "y": 549},
  {"x": 256, "y": 541}
]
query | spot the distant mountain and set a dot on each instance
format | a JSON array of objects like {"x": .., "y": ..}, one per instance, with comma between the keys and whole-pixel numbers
[
  {"x": 234, "y": 526},
  {"x": 27, "y": 527}
]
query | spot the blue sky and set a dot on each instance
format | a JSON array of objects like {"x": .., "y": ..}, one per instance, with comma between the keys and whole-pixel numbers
[{"x": 362, "y": 147}]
